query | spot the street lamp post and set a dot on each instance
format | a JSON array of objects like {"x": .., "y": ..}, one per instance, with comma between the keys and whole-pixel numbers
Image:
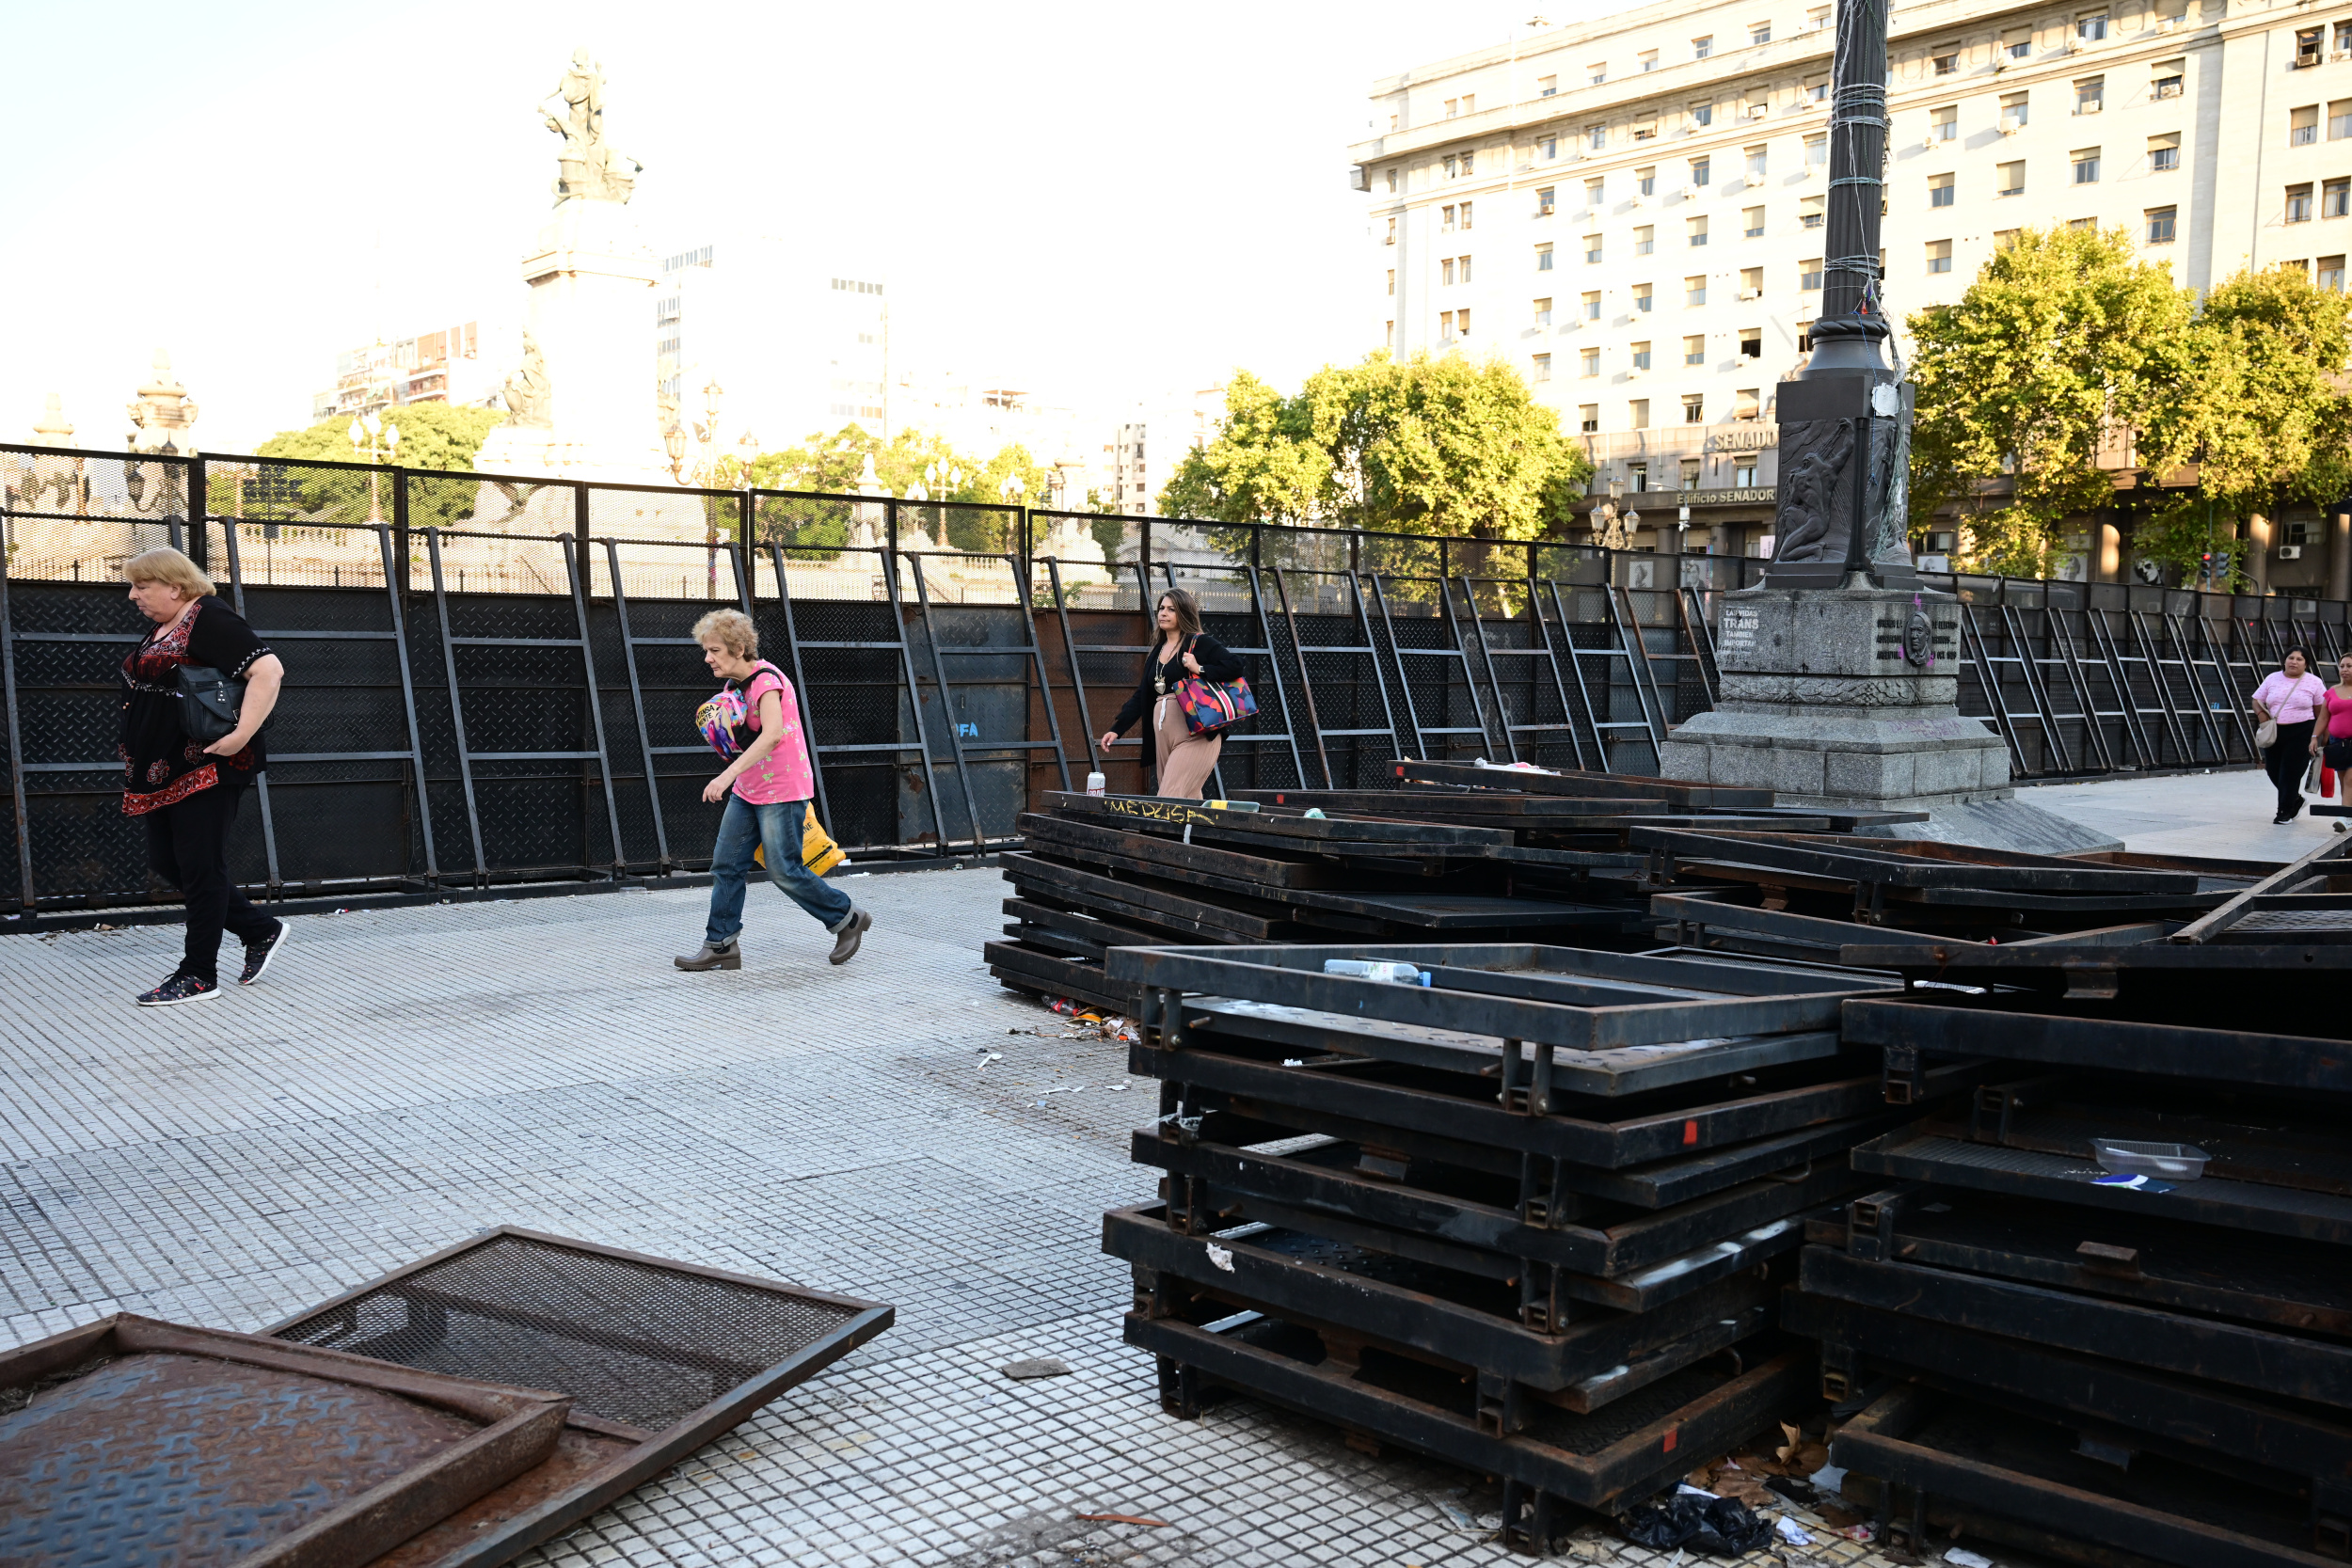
[
  {"x": 365, "y": 433},
  {"x": 1011, "y": 490}
]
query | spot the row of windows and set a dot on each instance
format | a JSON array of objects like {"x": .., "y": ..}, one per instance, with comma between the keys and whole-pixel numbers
[{"x": 2335, "y": 200}]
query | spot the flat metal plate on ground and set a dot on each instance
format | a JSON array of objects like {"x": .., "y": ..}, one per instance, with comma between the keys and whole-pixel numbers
[
  {"x": 1462, "y": 1319},
  {"x": 132, "y": 1441},
  {"x": 658, "y": 1357},
  {"x": 2030, "y": 1472},
  {"x": 1604, "y": 1460},
  {"x": 2032, "y": 1030}
]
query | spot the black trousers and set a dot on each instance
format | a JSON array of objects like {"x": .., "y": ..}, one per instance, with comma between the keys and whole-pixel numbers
[
  {"x": 187, "y": 846},
  {"x": 2286, "y": 762}
]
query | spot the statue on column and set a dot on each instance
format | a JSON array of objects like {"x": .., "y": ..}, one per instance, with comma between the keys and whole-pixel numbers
[
  {"x": 588, "y": 167},
  {"x": 528, "y": 397}
]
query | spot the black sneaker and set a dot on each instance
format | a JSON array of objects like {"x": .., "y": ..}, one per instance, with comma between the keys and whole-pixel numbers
[
  {"x": 258, "y": 955},
  {"x": 179, "y": 988}
]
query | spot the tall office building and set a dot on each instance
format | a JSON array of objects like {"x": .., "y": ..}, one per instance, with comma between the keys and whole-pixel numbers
[{"x": 1632, "y": 210}]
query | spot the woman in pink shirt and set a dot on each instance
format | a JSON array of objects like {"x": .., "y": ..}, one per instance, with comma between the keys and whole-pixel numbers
[
  {"x": 2291, "y": 696},
  {"x": 2332, "y": 744},
  {"x": 767, "y": 789}
]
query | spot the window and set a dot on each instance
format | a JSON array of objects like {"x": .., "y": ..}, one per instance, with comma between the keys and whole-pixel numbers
[
  {"x": 1697, "y": 228},
  {"x": 1445, "y": 273},
  {"x": 1701, "y": 48},
  {"x": 2340, "y": 120},
  {"x": 1646, "y": 238},
  {"x": 1746, "y": 404},
  {"x": 1466, "y": 269},
  {"x": 1546, "y": 86},
  {"x": 2308, "y": 45},
  {"x": 1469, "y": 103},
  {"x": 1391, "y": 182},
  {"x": 2164, "y": 152},
  {"x": 1592, "y": 252},
  {"x": 2165, "y": 81},
  {"x": 1588, "y": 362},
  {"x": 1690, "y": 476},
  {"x": 1592, "y": 304},
  {"x": 1637, "y": 474},
  {"x": 1939, "y": 256},
  {"x": 1445, "y": 327},
  {"x": 2086, "y": 160},
  {"x": 1804, "y": 337},
  {"x": 2344, "y": 39},
  {"x": 1702, "y": 115},
  {"x": 2335, "y": 198},
  {"x": 1702, "y": 169},
  {"x": 1597, "y": 74},
  {"x": 1947, "y": 64},
  {"x": 1695, "y": 350},
  {"x": 1391, "y": 239},
  {"x": 1445, "y": 220},
  {"x": 1391, "y": 283},
  {"x": 1645, "y": 180},
  {"x": 2303, "y": 125},
  {"x": 1647, "y": 59},
  {"x": 1816, "y": 90},
  {"x": 1542, "y": 313},
  {"x": 1817, "y": 18},
  {"x": 1743, "y": 469},
  {"x": 1755, "y": 102},
  {"x": 2081, "y": 226},
  {"x": 1543, "y": 367},
  {"x": 1596, "y": 138},
  {"x": 2004, "y": 238},
  {"x": 1646, "y": 128},
  {"x": 1545, "y": 198},
  {"x": 1752, "y": 223},
  {"x": 2298, "y": 204},
  {"x": 2017, "y": 42},
  {"x": 2012, "y": 179},
  {"x": 1453, "y": 167},
  {"x": 1944, "y": 123},
  {"x": 2014, "y": 111},
  {"x": 2331, "y": 274},
  {"x": 1465, "y": 214},
  {"x": 1637, "y": 418},
  {"x": 1462, "y": 321},
  {"x": 2091, "y": 95},
  {"x": 1390, "y": 337},
  {"x": 1641, "y": 356},
  {"x": 1812, "y": 210},
  {"x": 1760, "y": 33},
  {"x": 1758, "y": 162},
  {"x": 1543, "y": 257},
  {"x": 1694, "y": 290},
  {"x": 1693, "y": 407},
  {"x": 1752, "y": 343},
  {"x": 1940, "y": 190},
  {"x": 1752, "y": 282},
  {"x": 1596, "y": 194},
  {"x": 1549, "y": 146},
  {"x": 2090, "y": 26},
  {"x": 1453, "y": 107},
  {"x": 1809, "y": 274},
  {"x": 1588, "y": 417},
  {"x": 1816, "y": 150},
  {"x": 1642, "y": 300}
]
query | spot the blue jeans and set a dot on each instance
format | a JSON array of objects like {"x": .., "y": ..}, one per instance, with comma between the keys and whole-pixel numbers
[{"x": 776, "y": 830}]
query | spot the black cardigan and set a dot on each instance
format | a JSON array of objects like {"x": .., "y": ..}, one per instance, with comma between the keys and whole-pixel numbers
[{"x": 1219, "y": 664}]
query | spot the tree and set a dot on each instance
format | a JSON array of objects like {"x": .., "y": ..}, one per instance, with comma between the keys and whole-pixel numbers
[
  {"x": 1428, "y": 446},
  {"x": 437, "y": 437},
  {"x": 2061, "y": 339},
  {"x": 835, "y": 466}
]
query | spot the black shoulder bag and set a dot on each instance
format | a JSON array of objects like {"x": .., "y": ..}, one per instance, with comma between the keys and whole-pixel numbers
[{"x": 209, "y": 703}]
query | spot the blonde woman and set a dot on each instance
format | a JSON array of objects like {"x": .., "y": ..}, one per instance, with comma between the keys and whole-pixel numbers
[
  {"x": 188, "y": 794},
  {"x": 1187, "y": 759},
  {"x": 756, "y": 719}
]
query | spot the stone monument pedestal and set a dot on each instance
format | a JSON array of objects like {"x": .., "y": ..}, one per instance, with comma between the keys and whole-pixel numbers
[{"x": 1849, "y": 697}]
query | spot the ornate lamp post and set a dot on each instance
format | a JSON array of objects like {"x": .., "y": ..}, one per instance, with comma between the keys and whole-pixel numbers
[{"x": 364, "y": 434}]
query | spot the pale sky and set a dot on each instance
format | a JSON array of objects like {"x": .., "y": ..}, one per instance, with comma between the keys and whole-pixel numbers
[{"x": 1102, "y": 202}]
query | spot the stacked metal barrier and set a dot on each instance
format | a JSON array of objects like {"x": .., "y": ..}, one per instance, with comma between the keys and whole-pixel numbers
[{"x": 1531, "y": 1218}]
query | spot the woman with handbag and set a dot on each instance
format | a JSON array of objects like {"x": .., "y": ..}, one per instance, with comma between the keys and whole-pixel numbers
[
  {"x": 2288, "y": 701},
  {"x": 2332, "y": 744},
  {"x": 183, "y": 777},
  {"x": 756, "y": 721},
  {"x": 1189, "y": 736}
]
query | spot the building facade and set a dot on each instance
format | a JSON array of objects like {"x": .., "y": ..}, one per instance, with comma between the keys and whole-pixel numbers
[
  {"x": 1632, "y": 210},
  {"x": 444, "y": 365}
]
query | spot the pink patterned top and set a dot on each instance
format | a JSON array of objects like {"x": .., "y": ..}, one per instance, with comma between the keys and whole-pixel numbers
[{"x": 783, "y": 774}]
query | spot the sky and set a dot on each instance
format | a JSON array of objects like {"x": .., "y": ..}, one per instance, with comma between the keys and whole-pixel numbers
[{"x": 1100, "y": 202}]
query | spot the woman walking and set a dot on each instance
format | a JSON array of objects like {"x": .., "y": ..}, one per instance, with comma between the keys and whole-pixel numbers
[
  {"x": 2332, "y": 743},
  {"x": 188, "y": 793},
  {"x": 2290, "y": 697},
  {"x": 1185, "y": 759},
  {"x": 756, "y": 720}
]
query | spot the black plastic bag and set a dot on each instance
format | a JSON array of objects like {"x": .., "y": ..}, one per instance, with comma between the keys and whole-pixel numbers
[{"x": 1711, "y": 1527}]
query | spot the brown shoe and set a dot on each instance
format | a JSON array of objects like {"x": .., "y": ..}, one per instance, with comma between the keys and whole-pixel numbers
[
  {"x": 853, "y": 931},
  {"x": 723, "y": 955}
]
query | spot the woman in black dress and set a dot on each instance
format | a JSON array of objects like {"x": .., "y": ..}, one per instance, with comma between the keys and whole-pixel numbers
[
  {"x": 1187, "y": 759},
  {"x": 188, "y": 794}
]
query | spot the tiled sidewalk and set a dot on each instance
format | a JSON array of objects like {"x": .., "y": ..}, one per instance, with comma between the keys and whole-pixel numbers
[{"x": 408, "y": 1077}]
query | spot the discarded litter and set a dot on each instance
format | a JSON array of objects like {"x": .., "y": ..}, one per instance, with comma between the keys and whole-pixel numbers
[
  {"x": 1456, "y": 1514},
  {"x": 1121, "y": 1519},
  {"x": 1693, "y": 1521},
  {"x": 2134, "y": 1183},
  {"x": 988, "y": 1056},
  {"x": 1864, "y": 1533},
  {"x": 1293, "y": 1061},
  {"x": 1829, "y": 1478},
  {"x": 1045, "y": 1366},
  {"x": 1222, "y": 1257},
  {"x": 2178, "y": 1162},
  {"x": 1377, "y": 968},
  {"x": 1961, "y": 1556},
  {"x": 1792, "y": 1532}
]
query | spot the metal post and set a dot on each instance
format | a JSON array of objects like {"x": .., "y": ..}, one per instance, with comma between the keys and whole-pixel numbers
[
  {"x": 199, "y": 503},
  {"x": 579, "y": 525},
  {"x": 398, "y": 560},
  {"x": 393, "y": 594},
  {"x": 16, "y": 749},
  {"x": 456, "y": 704}
]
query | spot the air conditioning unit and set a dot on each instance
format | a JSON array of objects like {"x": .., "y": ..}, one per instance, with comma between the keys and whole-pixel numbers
[
  {"x": 1928, "y": 145},
  {"x": 2010, "y": 128},
  {"x": 1746, "y": 294},
  {"x": 2290, "y": 552},
  {"x": 1758, "y": 111},
  {"x": 1689, "y": 193}
]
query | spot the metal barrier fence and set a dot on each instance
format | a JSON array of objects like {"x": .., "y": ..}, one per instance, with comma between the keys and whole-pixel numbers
[{"x": 494, "y": 678}]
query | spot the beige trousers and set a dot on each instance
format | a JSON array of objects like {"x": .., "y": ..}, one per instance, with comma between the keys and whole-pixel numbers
[{"x": 1187, "y": 759}]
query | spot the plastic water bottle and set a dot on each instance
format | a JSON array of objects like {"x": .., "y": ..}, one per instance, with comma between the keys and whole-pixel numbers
[
  {"x": 1094, "y": 784},
  {"x": 1378, "y": 969}
]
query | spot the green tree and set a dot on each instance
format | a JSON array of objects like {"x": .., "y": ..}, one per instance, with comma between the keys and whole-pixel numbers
[
  {"x": 2061, "y": 340},
  {"x": 437, "y": 437},
  {"x": 834, "y": 465},
  {"x": 1425, "y": 445},
  {"x": 431, "y": 435}
]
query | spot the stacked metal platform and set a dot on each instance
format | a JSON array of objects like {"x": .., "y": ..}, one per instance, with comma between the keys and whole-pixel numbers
[
  {"x": 2104, "y": 1308},
  {"x": 1533, "y": 1217}
]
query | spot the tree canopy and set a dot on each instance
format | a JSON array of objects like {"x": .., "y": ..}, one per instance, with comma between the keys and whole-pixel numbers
[
  {"x": 431, "y": 435},
  {"x": 1423, "y": 445},
  {"x": 835, "y": 463}
]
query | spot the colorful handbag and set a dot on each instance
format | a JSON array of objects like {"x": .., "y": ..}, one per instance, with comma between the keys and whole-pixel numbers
[
  {"x": 724, "y": 721},
  {"x": 1213, "y": 706}
]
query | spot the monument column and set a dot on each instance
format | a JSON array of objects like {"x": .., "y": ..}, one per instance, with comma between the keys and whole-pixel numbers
[
  {"x": 1840, "y": 669},
  {"x": 2340, "y": 551}
]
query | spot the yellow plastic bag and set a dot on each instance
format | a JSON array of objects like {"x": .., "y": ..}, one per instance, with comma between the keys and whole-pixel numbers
[{"x": 819, "y": 852}]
